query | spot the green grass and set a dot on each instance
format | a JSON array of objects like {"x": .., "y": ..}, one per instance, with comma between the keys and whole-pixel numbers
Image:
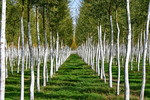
[{"x": 76, "y": 81}]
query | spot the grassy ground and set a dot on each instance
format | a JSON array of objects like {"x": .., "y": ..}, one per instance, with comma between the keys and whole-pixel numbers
[{"x": 76, "y": 80}]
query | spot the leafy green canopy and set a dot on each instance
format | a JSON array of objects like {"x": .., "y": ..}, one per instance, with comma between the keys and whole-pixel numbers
[
  {"x": 95, "y": 12},
  {"x": 58, "y": 19}
]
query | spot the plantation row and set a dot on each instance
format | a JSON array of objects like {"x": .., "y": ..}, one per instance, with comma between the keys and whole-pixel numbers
[
  {"x": 56, "y": 55},
  {"x": 88, "y": 52},
  {"x": 13, "y": 55},
  {"x": 33, "y": 53}
]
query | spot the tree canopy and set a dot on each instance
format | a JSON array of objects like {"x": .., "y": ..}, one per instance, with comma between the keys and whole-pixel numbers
[
  {"x": 58, "y": 20},
  {"x": 94, "y": 12}
]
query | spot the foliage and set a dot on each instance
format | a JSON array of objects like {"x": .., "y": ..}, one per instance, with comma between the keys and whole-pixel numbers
[
  {"x": 93, "y": 12},
  {"x": 58, "y": 19}
]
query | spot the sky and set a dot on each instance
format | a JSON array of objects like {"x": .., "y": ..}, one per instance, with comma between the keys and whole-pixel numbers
[{"x": 74, "y": 6}]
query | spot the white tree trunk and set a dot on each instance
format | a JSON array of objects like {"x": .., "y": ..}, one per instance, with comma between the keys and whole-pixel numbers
[
  {"x": 93, "y": 58},
  {"x": 22, "y": 53},
  {"x": 104, "y": 44},
  {"x": 11, "y": 61},
  {"x": 118, "y": 52},
  {"x": 18, "y": 54},
  {"x": 127, "y": 88},
  {"x": 54, "y": 54},
  {"x": 51, "y": 73},
  {"x": 111, "y": 54},
  {"x": 38, "y": 62},
  {"x": 139, "y": 55},
  {"x": 144, "y": 37},
  {"x": 57, "y": 47},
  {"x": 6, "y": 74},
  {"x": 45, "y": 60},
  {"x": 31, "y": 56},
  {"x": 98, "y": 61},
  {"x": 46, "y": 71},
  {"x": 144, "y": 56},
  {"x": 2, "y": 50},
  {"x": 45, "y": 50},
  {"x": 102, "y": 55},
  {"x": 98, "y": 53}
]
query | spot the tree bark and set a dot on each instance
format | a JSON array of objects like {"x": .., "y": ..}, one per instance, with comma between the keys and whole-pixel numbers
[
  {"x": 57, "y": 45},
  {"x": 2, "y": 50},
  {"x": 45, "y": 51},
  {"x": 144, "y": 56},
  {"x": 118, "y": 53},
  {"x": 11, "y": 61},
  {"x": 139, "y": 55},
  {"x": 111, "y": 54},
  {"x": 118, "y": 59},
  {"x": 22, "y": 53},
  {"x": 102, "y": 54},
  {"x": 126, "y": 76},
  {"x": 38, "y": 40},
  {"x": 19, "y": 52},
  {"x": 6, "y": 57},
  {"x": 104, "y": 44},
  {"x": 31, "y": 56},
  {"x": 54, "y": 54}
]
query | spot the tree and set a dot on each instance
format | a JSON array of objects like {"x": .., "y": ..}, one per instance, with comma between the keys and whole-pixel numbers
[
  {"x": 118, "y": 52},
  {"x": 144, "y": 56},
  {"x": 111, "y": 51},
  {"x": 2, "y": 50},
  {"x": 45, "y": 50},
  {"x": 22, "y": 53},
  {"x": 126, "y": 76},
  {"x": 31, "y": 55},
  {"x": 102, "y": 54},
  {"x": 38, "y": 39}
]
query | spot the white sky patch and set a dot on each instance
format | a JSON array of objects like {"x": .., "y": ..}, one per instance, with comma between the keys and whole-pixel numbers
[{"x": 74, "y": 6}]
